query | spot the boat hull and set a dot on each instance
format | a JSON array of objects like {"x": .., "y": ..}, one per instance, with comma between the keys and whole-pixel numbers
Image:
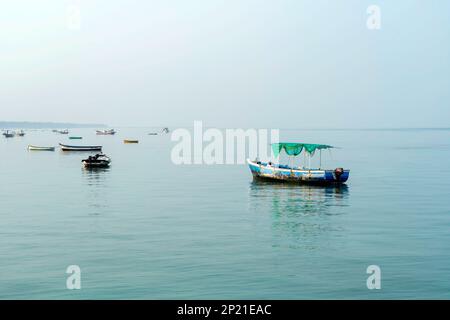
[
  {"x": 262, "y": 171},
  {"x": 105, "y": 132},
  {"x": 97, "y": 164},
  {"x": 35, "y": 148},
  {"x": 80, "y": 148}
]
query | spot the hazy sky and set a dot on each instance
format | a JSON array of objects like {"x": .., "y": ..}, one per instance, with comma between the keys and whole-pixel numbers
[{"x": 233, "y": 63}]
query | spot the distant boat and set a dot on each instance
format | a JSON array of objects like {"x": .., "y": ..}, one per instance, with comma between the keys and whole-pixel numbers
[
  {"x": 130, "y": 141},
  {"x": 9, "y": 134},
  {"x": 35, "y": 148},
  {"x": 153, "y": 134},
  {"x": 62, "y": 131},
  {"x": 75, "y": 138},
  {"x": 98, "y": 161},
  {"x": 106, "y": 132},
  {"x": 307, "y": 175},
  {"x": 20, "y": 133},
  {"x": 80, "y": 148}
]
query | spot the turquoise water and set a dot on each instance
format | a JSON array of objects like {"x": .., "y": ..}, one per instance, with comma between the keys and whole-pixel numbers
[{"x": 147, "y": 228}]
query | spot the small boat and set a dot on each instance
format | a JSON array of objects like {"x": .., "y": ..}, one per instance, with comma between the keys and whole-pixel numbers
[
  {"x": 75, "y": 138},
  {"x": 20, "y": 133},
  {"x": 308, "y": 175},
  {"x": 106, "y": 132},
  {"x": 153, "y": 134},
  {"x": 9, "y": 134},
  {"x": 35, "y": 148},
  {"x": 80, "y": 148},
  {"x": 98, "y": 161},
  {"x": 130, "y": 141},
  {"x": 62, "y": 131}
]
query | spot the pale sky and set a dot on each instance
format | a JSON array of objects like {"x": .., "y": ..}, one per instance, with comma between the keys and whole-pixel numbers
[{"x": 234, "y": 63}]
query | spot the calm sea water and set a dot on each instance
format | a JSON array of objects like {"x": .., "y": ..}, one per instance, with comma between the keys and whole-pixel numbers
[{"x": 148, "y": 229}]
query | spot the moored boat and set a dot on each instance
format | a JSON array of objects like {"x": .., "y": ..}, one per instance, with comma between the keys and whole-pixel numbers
[
  {"x": 65, "y": 147},
  {"x": 106, "y": 132},
  {"x": 9, "y": 134},
  {"x": 130, "y": 141},
  {"x": 285, "y": 173},
  {"x": 66, "y": 131},
  {"x": 36, "y": 148},
  {"x": 75, "y": 138},
  {"x": 98, "y": 161},
  {"x": 20, "y": 133}
]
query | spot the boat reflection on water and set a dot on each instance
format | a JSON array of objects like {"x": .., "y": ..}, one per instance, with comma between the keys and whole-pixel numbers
[
  {"x": 96, "y": 181},
  {"x": 301, "y": 215}
]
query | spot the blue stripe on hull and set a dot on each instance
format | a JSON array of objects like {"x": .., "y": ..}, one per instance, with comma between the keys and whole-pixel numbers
[{"x": 283, "y": 173}]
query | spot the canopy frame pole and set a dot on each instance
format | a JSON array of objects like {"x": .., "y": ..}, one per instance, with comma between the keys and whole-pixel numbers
[
  {"x": 320, "y": 157},
  {"x": 304, "y": 159},
  {"x": 309, "y": 162}
]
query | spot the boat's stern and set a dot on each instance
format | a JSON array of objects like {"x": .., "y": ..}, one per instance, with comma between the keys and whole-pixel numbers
[{"x": 338, "y": 175}]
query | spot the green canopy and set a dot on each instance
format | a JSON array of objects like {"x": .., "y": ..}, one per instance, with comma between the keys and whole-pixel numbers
[{"x": 294, "y": 149}]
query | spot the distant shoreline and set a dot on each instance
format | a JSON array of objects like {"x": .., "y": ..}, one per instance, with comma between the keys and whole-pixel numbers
[{"x": 46, "y": 125}]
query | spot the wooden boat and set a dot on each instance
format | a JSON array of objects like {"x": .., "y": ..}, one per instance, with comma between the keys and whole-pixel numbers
[
  {"x": 35, "y": 148},
  {"x": 9, "y": 134},
  {"x": 285, "y": 173},
  {"x": 130, "y": 141},
  {"x": 75, "y": 138},
  {"x": 106, "y": 132},
  {"x": 80, "y": 148},
  {"x": 98, "y": 161}
]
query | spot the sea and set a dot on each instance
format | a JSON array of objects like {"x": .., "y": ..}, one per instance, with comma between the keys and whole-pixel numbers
[{"x": 147, "y": 228}]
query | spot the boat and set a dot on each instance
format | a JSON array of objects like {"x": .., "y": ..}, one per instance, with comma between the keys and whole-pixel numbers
[
  {"x": 20, "y": 133},
  {"x": 106, "y": 132},
  {"x": 153, "y": 134},
  {"x": 98, "y": 161},
  {"x": 75, "y": 138},
  {"x": 62, "y": 131},
  {"x": 9, "y": 134},
  {"x": 130, "y": 141},
  {"x": 307, "y": 175},
  {"x": 80, "y": 148},
  {"x": 36, "y": 148}
]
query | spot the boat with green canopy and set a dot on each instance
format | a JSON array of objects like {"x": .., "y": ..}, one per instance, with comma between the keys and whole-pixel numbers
[{"x": 298, "y": 174}]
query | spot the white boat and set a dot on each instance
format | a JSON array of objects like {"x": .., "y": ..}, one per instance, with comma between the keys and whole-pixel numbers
[
  {"x": 36, "y": 148},
  {"x": 65, "y": 147},
  {"x": 20, "y": 133},
  {"x": 106, "y": 132}
]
